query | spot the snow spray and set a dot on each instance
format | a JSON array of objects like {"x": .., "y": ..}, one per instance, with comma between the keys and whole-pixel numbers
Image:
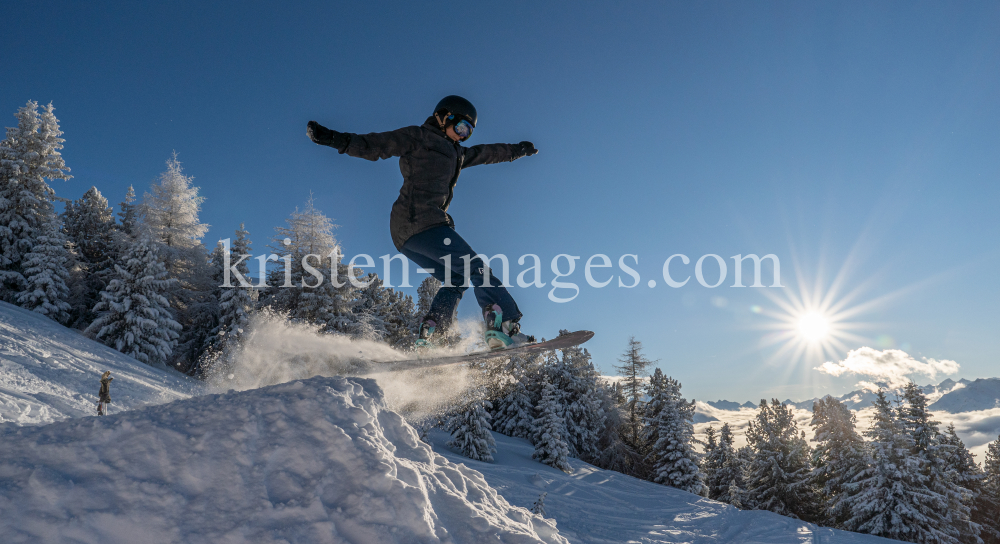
[{"x": 276, "y": 350}]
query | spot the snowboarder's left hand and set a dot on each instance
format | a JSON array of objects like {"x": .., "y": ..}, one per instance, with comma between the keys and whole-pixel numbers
[{"x": 526, "y": 149}]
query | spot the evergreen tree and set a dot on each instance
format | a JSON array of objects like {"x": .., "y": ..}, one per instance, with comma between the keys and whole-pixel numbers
[
  {"x": 295, "y": 291},
  {"x": 722, "y": 466},
  {"x": 579, "y": 386},
  {"x": 28, "y": 156},
  {"x": 539, "y": 507},
  {"x": 778, "y": 477},
  {"x": 967, "y": 475},
  {"x": 133, "y": 314},
  {"x": 45, "y": 274},
  {"x": 889, "y": 498},
  {"x": 988, "y": 504},
  {"x": 128, "y": 220},
  {"x": 548, "y": 430},
  {"x": 839, "y": 456},
  {"x": 949, "y": 515},
  {"x": 470, "y": 431},
  {"x": 670, "y": 431},
  {"x": 633, "y": 368},
  {"x": 90, "y": 225},
  {"x": 170, "y": 219},
  {"x": 236, "y": 303}
]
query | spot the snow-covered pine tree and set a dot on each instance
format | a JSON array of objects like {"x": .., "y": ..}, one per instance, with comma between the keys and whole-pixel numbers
[
  {"x": 988, "y": 505},
  {"x": 968, "y": 476},
  {"x": 170, "y": 219},
  {"x": 90, "y": 225},
  {"x": 133, "y": 314},
  {"x": 470, "y": 431},
  {"x": 45, "y": 274},
  {"x": 779, "y": 475},
  {"x": 129, "y": 215},
  {"x": 539, "y": 507},
  {"x": 722, "y": 466},
  {"x": 838, "y": 459},
  {"x": 579, "y": 384},
  {"x": 515, "y": 419},
  {"x": 633, "y": 368},
  {"x": 708, "y": 461},
  {"x": 28, "y": 156},
  {"x": 889, "y": 493},
  {"x": 236, "y": 303},
  {"x": 548, "y": 430},
  {"x": 670, "y": 432},
  {"x": 949, "y": 515},
  {"x": 294, "y": 291}
]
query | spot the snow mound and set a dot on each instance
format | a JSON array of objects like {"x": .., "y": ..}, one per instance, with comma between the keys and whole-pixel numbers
[
  {"x": 318, "y": 460},
  {"x": 49, "y": 372}
]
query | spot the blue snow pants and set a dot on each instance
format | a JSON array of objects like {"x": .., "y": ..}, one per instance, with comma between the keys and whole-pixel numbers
[{"x": 428, "y": 250}]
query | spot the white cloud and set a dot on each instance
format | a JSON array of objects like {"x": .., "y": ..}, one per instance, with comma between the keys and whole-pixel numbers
[{"x": 891, "y": 367}]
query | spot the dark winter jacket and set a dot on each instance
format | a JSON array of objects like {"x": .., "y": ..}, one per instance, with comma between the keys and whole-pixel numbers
[{"x": 430, "y": 163}]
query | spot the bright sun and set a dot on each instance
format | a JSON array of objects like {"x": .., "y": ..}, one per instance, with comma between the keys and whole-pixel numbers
[{"x": 813, "y": 327}]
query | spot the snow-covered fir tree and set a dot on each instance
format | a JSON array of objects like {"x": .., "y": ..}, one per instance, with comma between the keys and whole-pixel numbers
[
  {"x": 90, "y": 226},
  {"x": 133, "y": 314},
  {"x": 548, "y": 430},
  {"x": 839, "y": 457},
  {"x": 949, "y": 515},
  {"x": 45, "y": 274},
  {"x": 889, "y": 498},
  {"x": 516, "y": 417},
  {"x": 722, "y": 466},
  {"x": 470, "y": 431},
  {"x": 295, "y": 290},
  {"x": 129, "y": 216},
  {"x": 29, "y": 156},
  {"x": 778, "y": 477},
  {"x": 968, "y": 476},
  {"x": 988, "y": 503},
  {"x": 236, "y": 303},
  {"x": 578, "y": 382},
  {"x": 170, "y": 219},
  {"x": 633, "y": 369},
  {"x": 539, "y": 507},
  {"x": 669, "y": 431}
]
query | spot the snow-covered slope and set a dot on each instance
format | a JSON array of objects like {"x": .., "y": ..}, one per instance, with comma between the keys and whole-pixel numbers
[
  {"x": 49, "y": 373},
  {"x": 595, "y": 506},
  {"x": 310, "y": 461},
  {"x": 982, "y": 394}
]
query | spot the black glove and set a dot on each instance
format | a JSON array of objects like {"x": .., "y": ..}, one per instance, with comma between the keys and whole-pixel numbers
[
  {"x": 324, "y": 136},
  {"x": 524, "y": 149}
]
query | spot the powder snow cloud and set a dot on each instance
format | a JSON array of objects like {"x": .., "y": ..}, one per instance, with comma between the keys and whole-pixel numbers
[{"x": 890, "y": 367}]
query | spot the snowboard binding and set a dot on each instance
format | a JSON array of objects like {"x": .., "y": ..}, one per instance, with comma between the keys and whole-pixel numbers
[{"x": 502, "y": 334}]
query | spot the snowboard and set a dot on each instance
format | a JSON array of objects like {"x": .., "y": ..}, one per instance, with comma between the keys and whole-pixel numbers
[{"x": 560, "y": 342}]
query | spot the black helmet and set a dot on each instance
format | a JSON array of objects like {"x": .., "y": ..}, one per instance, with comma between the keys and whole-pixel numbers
[{"x": 459, "y": 106}]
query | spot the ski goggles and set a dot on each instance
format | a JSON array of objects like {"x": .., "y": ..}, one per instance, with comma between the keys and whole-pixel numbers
[{"x": 463, "y": 128}]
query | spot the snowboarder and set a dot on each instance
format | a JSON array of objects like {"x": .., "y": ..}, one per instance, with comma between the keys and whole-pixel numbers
[
  {"x": 430, "y": 158},
  {"x": 104, "y": 397}
]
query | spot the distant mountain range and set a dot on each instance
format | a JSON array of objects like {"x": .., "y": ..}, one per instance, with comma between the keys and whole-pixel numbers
[{"x": 948, "y": 396}]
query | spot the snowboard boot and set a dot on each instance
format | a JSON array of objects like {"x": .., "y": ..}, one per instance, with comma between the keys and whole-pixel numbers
[
  {"x": 502, "y": 334},
  {"x": 426, "y": 337}
]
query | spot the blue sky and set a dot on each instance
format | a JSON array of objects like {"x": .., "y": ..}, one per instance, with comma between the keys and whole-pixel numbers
[{"x": 854, "y": 140}]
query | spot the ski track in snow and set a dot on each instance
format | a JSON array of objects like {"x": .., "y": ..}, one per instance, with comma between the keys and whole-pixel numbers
[{"x": 594, "y": 506}]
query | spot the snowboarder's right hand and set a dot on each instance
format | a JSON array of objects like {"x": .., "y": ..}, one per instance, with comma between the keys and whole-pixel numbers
[{"x": 324, "y": 136}]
